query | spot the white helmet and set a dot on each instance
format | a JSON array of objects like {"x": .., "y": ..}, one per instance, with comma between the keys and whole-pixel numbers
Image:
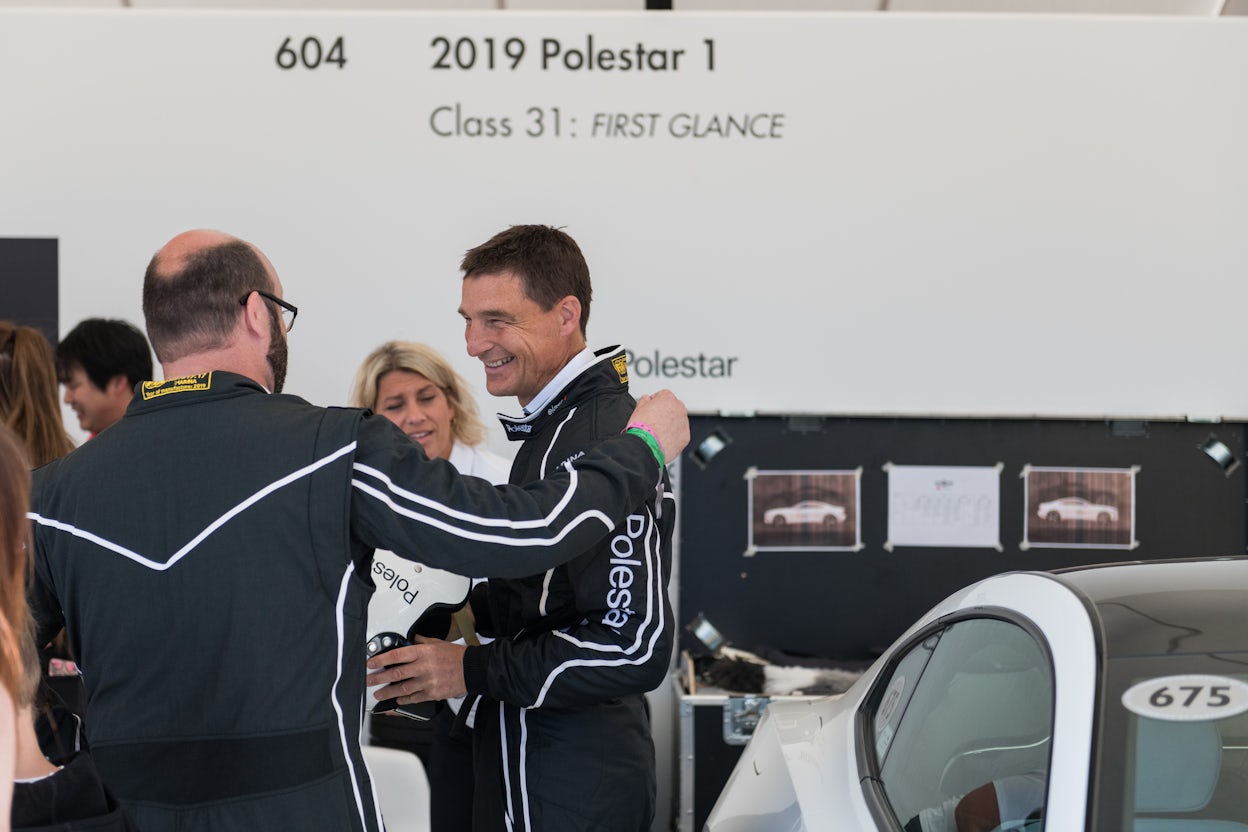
[{"x": 411, "y": 599}]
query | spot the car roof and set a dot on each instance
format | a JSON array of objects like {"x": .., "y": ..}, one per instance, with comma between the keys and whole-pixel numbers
[{"x": 1150, "y": 608}]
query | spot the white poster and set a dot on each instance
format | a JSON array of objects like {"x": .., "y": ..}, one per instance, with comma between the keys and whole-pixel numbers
[{"x": 932, "y": 505}]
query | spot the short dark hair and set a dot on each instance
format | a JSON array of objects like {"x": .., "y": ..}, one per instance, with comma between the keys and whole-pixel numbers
[
  {"x": 105, "y": 348},
  {"x": 196, "y": 308},
  {"x": 548, "y": 262}
]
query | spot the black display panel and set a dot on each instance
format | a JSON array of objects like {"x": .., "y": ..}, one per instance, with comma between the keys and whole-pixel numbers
[
  {"x": 849, "y": 604},
  {"x": 28, "y": 283}
]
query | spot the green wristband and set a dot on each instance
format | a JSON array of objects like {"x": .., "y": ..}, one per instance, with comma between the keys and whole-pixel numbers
[{"x": 649, "y": 439}]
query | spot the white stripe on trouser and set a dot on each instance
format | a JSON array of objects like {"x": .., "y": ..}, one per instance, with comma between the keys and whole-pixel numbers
[
  {"x": 504, "y": 750},
  {"x": 524, "y": 822}
]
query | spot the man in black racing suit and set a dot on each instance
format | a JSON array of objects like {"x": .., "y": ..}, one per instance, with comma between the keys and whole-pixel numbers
[
  {"x": 209, "y": 556},
  {"x": 562, "y": 736}
]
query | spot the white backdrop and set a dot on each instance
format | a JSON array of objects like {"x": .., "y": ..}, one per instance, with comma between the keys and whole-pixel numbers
[
  {"x": 957, "y": 214},
  {"x": 950, "y": 214}
]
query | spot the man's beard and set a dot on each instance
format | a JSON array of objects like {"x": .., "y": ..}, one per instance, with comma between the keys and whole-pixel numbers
[{"x": 277, "y": 353}]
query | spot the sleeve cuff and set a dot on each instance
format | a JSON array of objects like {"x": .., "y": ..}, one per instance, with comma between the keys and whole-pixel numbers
[{"x": 476, "y": 660}]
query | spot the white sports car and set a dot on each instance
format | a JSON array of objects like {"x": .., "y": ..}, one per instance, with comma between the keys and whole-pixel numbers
[
  {"x": 1100, "y": 698},
  {"x": 807, "y": 511},
  {"x": 1077, "y": 508}
]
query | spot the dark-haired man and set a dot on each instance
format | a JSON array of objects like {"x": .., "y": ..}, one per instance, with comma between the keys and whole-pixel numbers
[
  {"x": 100, "y": 362},
  {"x": 209, "y": 556},
  {"x": 562, "y": 736}
]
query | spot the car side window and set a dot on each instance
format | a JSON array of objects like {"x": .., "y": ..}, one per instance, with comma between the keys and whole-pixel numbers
[
  {"x": 897, "y": 693},
  {"x": 966, "y": 717}
]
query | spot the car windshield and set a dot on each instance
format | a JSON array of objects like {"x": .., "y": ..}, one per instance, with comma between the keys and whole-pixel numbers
[{"x": 1174, "y": 745}]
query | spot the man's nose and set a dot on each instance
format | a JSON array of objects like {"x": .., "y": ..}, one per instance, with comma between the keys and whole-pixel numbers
[{"x": 475, "y": 339}]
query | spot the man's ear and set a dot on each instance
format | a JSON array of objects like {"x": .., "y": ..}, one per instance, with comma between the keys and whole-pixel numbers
[
  {"x": 569, "y": 309},
  {"x": 118, "y": 385},
  {"x": 256, "y": 316}
]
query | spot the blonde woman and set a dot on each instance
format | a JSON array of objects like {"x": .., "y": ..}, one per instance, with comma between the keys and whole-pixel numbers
[{"x": 413, "y": 386}]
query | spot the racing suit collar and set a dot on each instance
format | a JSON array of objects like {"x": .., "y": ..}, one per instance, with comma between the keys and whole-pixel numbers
[
  {"x": 552, "y": 398},
  {"x": 172, "y": 392}
]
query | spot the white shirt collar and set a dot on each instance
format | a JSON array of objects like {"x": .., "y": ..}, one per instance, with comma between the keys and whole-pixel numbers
[{"x": 570, "y": 371}]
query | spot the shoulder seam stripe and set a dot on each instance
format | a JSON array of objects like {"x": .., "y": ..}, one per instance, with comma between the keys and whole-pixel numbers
[{"x": 199, "y": 538}]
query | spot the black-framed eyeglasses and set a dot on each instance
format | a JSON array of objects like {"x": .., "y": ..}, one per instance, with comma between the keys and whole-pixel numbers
[{"x": 289, "y": 310}]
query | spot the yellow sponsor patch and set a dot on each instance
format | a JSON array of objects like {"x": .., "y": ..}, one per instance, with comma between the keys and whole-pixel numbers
[
  {"x": 185, "y": 384},
  {"x": 621, "y": 368}
]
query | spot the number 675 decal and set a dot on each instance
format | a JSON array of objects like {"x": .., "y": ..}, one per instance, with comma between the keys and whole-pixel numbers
[{"x": 1188, "y": 698}]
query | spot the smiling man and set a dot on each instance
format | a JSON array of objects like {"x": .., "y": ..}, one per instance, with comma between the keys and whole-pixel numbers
[
  {"x": 100, "y": 362},
  {"x": 562, "y": 736}
]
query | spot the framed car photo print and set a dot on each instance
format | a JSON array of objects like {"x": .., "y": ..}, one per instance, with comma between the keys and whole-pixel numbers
[
  {"x": 796, "y": 510},
  {"x": 1080, "y": 508}
]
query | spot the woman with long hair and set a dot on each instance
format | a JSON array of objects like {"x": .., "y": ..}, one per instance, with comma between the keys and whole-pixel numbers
[
  {"x": 29, "y": 405},
  {"x": 30, "y": 408},
  {"x": 14, "y": 614}
]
